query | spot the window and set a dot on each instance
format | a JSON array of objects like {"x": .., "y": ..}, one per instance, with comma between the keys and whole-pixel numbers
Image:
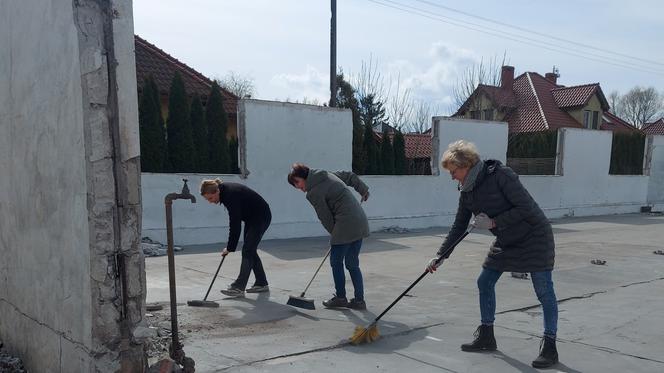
[
  {"x": 586, "y": 118},
  {"x": 475, "y": 114},
  {"x": 488, "y": 114},
  {"x": 595, "y": 120}
]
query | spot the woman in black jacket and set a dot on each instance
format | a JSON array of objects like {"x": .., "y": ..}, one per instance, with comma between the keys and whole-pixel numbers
[
  {"x": 243, "y": 205},
  {"x": 524, "y": 240}
]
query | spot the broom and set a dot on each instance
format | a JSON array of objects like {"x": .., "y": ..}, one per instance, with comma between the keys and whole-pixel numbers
[{"x": 371, "y": 333}]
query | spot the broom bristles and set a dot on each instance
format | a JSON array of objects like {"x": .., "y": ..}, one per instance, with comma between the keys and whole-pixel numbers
[{"x": 365, "y": 335}]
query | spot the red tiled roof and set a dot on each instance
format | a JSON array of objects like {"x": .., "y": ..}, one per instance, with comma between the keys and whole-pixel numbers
[
  {"x": 654, "y": 128},
  {"x": 576, "y": 96},
  {"x": 611, "y": 122},
  {"x": 418, "y": 145},
  {"x": 151, "y": 60}
]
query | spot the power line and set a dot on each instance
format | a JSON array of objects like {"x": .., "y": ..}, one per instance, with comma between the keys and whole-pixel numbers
[
  {"x": 536, "y": 43},
  {"x": 584, "y": 53},
  {"x": 538, "y": 33}
]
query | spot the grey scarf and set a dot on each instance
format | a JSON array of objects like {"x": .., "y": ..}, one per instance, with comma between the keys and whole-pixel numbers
[{"x": 469, "y": 182}]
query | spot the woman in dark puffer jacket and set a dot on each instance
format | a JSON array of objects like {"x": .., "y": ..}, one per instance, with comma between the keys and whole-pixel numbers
[{"x": 524, "y": 240}]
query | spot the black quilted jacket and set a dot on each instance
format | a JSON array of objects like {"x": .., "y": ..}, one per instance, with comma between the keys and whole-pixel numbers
[{"x": 524, "y": 239}]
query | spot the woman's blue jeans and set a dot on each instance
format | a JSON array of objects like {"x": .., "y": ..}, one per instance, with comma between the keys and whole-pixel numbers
[
  {"x": 543, "y": 285},
  {"x": 350, "y": 254}
]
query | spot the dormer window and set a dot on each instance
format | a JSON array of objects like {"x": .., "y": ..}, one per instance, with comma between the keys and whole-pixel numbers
[{"x": 591, "y": 119}]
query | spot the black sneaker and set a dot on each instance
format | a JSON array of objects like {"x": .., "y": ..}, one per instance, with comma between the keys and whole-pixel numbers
[
  {"x": 357, "y": 304},
  {"x": 258, "y": 289},
  {"x": 233, "y": 292},
  {"x": 336, "y": 302}
]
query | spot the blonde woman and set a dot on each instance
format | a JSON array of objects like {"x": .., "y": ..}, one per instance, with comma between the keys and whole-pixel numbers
[
  {"x": 524, "y": 240},
  {"x": 243, "y": 205}
]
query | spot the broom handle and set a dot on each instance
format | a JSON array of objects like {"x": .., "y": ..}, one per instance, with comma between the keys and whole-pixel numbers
[
  {"x": 214, "y": 278},
  {"x": 314, "y": 276},
  {"x": 424, "y": 274}
]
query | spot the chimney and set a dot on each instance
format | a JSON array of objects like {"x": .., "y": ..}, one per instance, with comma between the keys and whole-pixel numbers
[
  {"x": 507, "y": 77},
  {"x": 552, "y": 77}
]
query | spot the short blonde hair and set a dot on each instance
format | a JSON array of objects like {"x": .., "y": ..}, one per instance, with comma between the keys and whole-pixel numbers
[
  {"x": 210, "y": 186},
  {"x": 460, "y": 153}
]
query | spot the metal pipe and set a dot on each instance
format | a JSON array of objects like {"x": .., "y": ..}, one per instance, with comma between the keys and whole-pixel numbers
[{"x": 176, "y": 352}]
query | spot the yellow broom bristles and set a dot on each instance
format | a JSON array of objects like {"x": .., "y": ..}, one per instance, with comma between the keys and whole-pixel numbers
[{"x": 365, "y": 335}]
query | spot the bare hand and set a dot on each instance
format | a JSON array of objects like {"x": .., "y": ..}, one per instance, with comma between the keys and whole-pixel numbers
[
  {"x": 224, "y": 252},
  {"x": 365, "y": 196},
  {"x": 483, "y": 221},
  {"x": 433, "y": 264}
]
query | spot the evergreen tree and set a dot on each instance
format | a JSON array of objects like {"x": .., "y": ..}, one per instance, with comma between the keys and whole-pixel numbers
[
  {"x": 180, "y": 139},
  {"x": 386, "y": 154},
  {"x": 216, "y": 119},
  {"x": 232, "y": 148},
  {"x": 166, "y": 165},
  {"x": 346, "y": 99},
  {"x": 372, "y": 152},
  {"x": 199, "y": 129},
  {"x": 153, "y": 139},
  {"x": 399, "y": 144}
]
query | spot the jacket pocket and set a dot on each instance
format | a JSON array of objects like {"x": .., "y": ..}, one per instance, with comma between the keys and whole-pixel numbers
[{"x": 513, "y": 233}]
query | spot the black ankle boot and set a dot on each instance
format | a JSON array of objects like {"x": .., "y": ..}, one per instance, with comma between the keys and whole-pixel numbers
[
  {"x": 484, "y": 340},
  {"x": 548, "y": 354}
]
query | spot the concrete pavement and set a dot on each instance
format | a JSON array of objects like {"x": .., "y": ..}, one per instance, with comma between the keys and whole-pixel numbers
[{"x": 610, "y": 316}]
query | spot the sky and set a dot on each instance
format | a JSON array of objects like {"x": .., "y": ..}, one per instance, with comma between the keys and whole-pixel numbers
[{"x": 425, "y": 45}]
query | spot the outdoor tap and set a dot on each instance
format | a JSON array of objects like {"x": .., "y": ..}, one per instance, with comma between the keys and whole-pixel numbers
[{"x": 185, "y": 194}]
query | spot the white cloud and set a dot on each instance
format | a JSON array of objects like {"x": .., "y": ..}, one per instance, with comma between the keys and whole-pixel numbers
[
  {"x": 311, "y": 84},
  {"x": 433, "y": 77}
]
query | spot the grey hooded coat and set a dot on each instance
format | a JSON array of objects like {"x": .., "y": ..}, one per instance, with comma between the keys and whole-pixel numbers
[{"x": 337, "y": 209}]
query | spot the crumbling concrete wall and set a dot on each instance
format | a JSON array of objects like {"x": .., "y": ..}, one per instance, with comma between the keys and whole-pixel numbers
[{"x": 72, "y": 283}]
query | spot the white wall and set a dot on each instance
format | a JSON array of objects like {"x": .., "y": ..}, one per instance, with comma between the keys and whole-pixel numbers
[
  {"x": 656, "y": 182},
  {"x": 278, "y": 134}
]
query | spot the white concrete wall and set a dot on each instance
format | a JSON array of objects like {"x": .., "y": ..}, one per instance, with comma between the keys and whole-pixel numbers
[
  {"x": 45, "y": 271},
  {"x": 585, "y": 188},
  {"x": 656, "y": 182}
]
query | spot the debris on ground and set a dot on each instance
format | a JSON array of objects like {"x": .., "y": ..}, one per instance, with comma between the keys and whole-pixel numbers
[
  {"x": 598, "y": 262},
  {"x": 394, "y": 229},
  {"x": 658, "y": 252},
  {"x": 10, "y": 364},
  {"x": 154, "y": 248},
  {"x": 154, "y": 307},
  {"x": 520, "y": 275}
]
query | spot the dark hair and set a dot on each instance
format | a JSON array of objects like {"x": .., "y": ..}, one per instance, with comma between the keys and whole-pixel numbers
[{"x": 300, "y": 170}]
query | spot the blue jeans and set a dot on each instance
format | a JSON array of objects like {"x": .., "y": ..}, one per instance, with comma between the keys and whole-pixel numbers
[
  {"x": 543, "y": 285},
  {"x": 349, "y": 253}
]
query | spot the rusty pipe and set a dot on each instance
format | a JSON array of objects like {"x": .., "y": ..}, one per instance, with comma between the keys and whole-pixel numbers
[{"x": 176, "y": 352}]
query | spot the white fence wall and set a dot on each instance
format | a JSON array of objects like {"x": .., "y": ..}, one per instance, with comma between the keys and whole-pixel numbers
[{"x": 279, "y": 134}]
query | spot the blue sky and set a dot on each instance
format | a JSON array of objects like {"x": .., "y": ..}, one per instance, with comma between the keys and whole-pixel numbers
[{"x": 284, "y": 45}]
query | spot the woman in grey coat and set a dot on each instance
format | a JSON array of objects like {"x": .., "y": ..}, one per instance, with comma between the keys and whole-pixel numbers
[
  {"x": 524, "y": 240},
  {"x": 342, "y": 216}
]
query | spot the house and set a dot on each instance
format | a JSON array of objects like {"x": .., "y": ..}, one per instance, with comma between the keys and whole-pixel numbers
[
  {"x": 152, "y": 61},
  {"x": 654, "y": 128},
  {"x": 532, "y": 103},
  {"x": 418, "y": 153}
]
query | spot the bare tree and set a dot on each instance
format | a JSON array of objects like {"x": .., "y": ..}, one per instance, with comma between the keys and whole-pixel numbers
[
  {"x": 239, "y": 85},
  {"x": 421, "y": 119},
  {"x": 640, "y": 105},
  {"x": 614, "y": 102},
  {"x": 370, "y": 82},
  {"x": 483, "y": 72},
  {"x": 400, "y": 107}
]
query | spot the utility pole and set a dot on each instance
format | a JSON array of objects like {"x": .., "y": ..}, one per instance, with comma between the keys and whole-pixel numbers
[{"x": 333, "y": 54}]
